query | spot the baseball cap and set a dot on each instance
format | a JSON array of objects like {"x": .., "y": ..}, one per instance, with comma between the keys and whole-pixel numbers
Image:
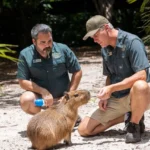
[{"x": 94, "y": 24}]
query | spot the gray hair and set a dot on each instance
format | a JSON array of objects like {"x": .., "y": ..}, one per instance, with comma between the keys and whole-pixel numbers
[
  {"x": 40, "y": 28},
  {"x": 110, "y": 25}
]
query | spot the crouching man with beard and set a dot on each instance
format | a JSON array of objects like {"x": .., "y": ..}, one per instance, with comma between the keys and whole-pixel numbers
[{"x": 43, "y": 70}]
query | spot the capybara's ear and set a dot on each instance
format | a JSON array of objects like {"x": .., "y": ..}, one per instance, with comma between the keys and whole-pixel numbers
[{"x": 66, "y": 95}]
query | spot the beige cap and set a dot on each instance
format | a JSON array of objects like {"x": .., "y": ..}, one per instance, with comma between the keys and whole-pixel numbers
[{"x": 94, "y": 24}]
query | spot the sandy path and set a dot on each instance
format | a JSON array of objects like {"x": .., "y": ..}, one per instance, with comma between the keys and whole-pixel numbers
[{"x": 13, "y": 120}]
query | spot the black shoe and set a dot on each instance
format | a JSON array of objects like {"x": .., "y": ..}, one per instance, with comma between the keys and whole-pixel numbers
[
  {"x": 141, "y": 123},
  {"x": 133, "y": 133}
]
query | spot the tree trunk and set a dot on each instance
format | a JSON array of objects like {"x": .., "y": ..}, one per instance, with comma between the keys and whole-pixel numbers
[{"x": 104, "y": 7}]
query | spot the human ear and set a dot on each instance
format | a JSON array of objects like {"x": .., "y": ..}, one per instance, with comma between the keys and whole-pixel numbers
[{"x": 33, "y": 41}]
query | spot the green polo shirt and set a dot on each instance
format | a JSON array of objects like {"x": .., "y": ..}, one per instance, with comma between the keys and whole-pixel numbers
[
  {"x": 128, "y": 57},
  {"x": 50, "y": 73}
]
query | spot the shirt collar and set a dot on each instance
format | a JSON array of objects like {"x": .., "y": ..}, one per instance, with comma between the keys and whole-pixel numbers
[{"x": 120, "y": 39}]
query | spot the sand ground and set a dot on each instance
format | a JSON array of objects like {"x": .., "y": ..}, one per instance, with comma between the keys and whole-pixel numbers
[{"x": 13, "y": 120}]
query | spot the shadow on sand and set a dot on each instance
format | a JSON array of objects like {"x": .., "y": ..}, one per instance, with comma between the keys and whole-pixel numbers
[{"x": 118, "y": 135}]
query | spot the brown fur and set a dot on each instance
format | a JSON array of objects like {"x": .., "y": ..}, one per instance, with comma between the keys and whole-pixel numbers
[{"x": 49, "y": 127}]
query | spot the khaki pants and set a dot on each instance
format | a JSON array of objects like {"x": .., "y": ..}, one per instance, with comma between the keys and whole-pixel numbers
[{"x": 116, "y": 107}]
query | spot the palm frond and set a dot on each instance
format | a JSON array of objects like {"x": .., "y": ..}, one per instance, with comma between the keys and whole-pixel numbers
[
  {"x": 145, "y": 16},
  {"x": 8, "y": 45},
  {"x": 146, "y": 39},
  {"x": 143, "y": 6},
  {"x": 131, "y": 1},
  {"x": 5, "y": 48}
]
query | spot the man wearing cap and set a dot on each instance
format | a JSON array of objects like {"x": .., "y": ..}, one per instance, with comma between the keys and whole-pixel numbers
[{"x": 127, "y": 69}]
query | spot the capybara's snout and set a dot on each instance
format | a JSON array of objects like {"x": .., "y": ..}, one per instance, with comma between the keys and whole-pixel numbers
[
  {"x": 86, "y": 95},
  {"x": 80, "y": 96}
]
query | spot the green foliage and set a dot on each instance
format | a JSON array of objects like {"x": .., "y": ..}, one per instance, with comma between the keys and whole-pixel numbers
[
  {"x": 68, "y": 28},
  {"x": 5, "y": 48},
  {"x": 31, "y": 3},
  {"x": 123, "y": 16},
  {"x": 145, "y": 16},
  {"x": 27, "y": 4},
  {"x": 143, "y": 6},
  {"x": 146, "y": 20},
  {"x": 131, "y": 1}
]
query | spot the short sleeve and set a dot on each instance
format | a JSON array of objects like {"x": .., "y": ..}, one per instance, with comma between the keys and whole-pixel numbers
[
  {"x": 72, "y": 63},
  {"x": 23, "y": 70},
  {"x": 105, "y": 70},
  {"x": 137, "y": 56}
]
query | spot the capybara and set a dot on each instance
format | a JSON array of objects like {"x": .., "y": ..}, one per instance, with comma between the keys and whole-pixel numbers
[{"x": 49, "y": 127}]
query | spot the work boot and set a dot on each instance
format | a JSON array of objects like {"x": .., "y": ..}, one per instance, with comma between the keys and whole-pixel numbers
[
  {"x": 127, "y": 120},
  {"x": 133, "y": 133}
]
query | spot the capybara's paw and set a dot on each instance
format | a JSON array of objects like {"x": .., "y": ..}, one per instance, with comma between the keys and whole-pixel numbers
[
  {"x": 67, "y": 142},
  {"x": 31, "y": 147}
]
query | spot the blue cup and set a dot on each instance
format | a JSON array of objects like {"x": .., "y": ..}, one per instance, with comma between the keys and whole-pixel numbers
[{"x": 39, "y": 102}]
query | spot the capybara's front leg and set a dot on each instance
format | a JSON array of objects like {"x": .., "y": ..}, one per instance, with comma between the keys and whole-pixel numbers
[{"x": 67, "y": 139}]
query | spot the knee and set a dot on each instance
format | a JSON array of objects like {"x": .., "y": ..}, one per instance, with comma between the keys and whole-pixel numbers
[
  {"x": 141, "y": 87},
  {"x": 27, "y": 103},
  {"x": 83, "y": 130},
  {"x": 25, "y": 99}
]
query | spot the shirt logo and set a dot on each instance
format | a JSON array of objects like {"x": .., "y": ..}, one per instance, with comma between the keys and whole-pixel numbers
[
  {"x": 109, "y": 53},
  {"x": 56, "y": 55},
  {"x": 37, "y": 60}
]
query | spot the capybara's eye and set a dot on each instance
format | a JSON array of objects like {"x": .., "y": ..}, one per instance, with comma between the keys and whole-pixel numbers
[{"x": 76, "y": 95}]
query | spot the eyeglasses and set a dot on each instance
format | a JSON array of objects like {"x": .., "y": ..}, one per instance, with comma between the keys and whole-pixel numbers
[{"x": 96, "y": 34}]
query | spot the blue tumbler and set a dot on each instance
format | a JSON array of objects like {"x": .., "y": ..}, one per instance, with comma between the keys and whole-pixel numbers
[{"x": 39, "y": 102}]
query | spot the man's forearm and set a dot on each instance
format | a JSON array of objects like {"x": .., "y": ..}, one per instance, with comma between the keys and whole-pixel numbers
[
  {"x": 30, "y": 86},
  {"x": 75, "y": 80}
]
